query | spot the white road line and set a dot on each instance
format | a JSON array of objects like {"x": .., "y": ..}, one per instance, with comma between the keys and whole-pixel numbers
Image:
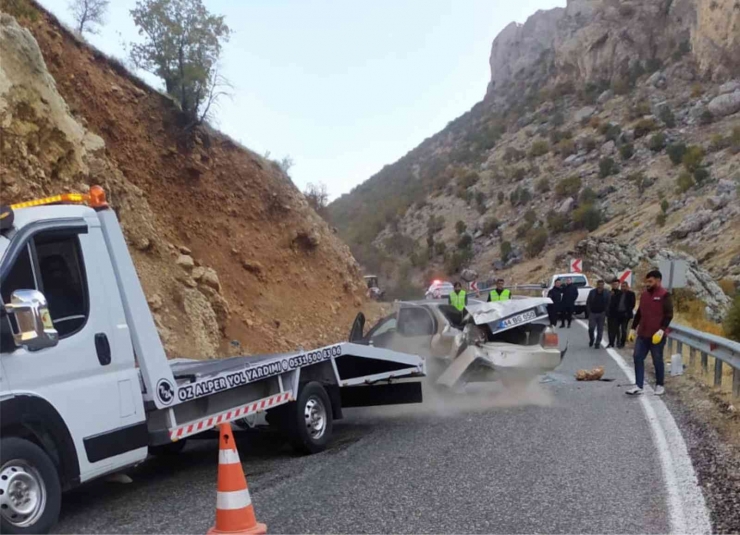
[{"x": 686, "y": 505}]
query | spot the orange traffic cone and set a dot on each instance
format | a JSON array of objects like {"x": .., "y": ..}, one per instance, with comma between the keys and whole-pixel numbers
[{"x": 234, "y": 511}]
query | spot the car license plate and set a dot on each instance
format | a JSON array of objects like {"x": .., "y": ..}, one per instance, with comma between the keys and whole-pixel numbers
[{"x": 518, "y": 319}]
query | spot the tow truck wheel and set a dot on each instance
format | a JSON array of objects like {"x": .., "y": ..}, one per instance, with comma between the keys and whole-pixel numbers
[
  {"x": 30, "y": 493},
  {"x": 307, "y": 422}
]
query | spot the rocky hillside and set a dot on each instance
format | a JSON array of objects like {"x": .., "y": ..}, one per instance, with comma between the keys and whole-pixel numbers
[
  {"x": 615, "y": 119},
  {"x": 230, "y": 255}
]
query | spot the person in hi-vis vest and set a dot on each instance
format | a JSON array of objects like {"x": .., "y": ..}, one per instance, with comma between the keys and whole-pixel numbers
[
  {"x": 499, "y": 293},
  {"x": 458, "y": 299}
]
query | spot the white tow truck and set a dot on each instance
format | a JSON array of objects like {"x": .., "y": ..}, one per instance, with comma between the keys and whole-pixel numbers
[{"x": 86, "y": 389}]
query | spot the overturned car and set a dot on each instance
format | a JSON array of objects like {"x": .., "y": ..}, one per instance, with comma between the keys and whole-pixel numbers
[{"x": 509, "y": 341}]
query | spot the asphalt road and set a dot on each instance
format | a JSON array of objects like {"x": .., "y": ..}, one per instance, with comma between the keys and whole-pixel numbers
[{"x": 562, "y": 456}]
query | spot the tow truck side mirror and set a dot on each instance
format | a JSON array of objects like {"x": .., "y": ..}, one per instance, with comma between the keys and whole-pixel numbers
[{"x": 31, "y": 312}]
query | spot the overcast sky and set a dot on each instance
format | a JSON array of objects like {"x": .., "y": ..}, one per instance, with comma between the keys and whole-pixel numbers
[{"x": 343, "y": 87}]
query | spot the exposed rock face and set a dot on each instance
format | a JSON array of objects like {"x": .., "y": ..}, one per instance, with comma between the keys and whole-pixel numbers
[
  {"x": 594, "y": 40},
  {"x": 607, "y": 258},
  {"x": 715, "y": 39},
  {"x": 726, "y": 104}
]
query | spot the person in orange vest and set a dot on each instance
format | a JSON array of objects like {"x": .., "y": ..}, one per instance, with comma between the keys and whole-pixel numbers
[
  {"x": 648, "y": 331},
  {"x": 499, "y": 293}
]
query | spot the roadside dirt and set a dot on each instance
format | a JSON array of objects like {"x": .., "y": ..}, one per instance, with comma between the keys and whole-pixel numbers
[{"x": 282, "y": 277}]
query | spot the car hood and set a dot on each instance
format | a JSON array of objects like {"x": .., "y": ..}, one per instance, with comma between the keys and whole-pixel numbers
[{"x": 503, "y": 315}]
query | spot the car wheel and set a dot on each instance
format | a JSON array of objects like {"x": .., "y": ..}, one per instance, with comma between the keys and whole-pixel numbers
[{"x": 30, "y": 491}]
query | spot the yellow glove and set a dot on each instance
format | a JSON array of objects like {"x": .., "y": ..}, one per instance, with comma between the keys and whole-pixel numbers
[
  {"x": 658, "y": 337},
  {"x": 632, "y": 336}
]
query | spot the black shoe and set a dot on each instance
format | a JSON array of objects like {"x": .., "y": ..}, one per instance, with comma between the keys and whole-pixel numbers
[
  {"x": 569, "y": 325},
  {"x": 609, "y": 346},
  {"x": 590, "y": 344},
  {"x": 562, "y": 326}
]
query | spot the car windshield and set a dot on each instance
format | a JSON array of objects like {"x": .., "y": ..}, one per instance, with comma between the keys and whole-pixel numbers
[{"x": 580, "y": 282}]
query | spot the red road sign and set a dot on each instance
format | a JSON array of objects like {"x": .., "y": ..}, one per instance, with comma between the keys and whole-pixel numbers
[
  {"x": 576, "y": 265},
  {"x": 474, "y": 286},
  {"x": 626, "y": 275}
]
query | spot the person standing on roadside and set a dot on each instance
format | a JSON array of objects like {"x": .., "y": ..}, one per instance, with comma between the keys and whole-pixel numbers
[
  {"x": 499, "y": 293},
  {"x": 555, "y": 309},
  {"x": 613, "y": 317},
  {"x": 648, "y": 331},
  {"x": 458, "y": 299},
  {"x": 570, "y": 296},
  {"x": 596, "y": 306},
  {"x": 626, "y": 310}
]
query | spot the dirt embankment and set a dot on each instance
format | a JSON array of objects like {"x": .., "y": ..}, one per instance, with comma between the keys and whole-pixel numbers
[{"x": 225, "y": 245}]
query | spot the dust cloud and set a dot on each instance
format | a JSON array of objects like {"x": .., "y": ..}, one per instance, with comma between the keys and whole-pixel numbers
[{"x": 440, "y": 401}]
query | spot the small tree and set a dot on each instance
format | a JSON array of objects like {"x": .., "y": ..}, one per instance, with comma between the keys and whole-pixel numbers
[
  {"x": 607, "y": 167},
  {"x": 556, "y": 222},
  {"x": 88, "y": 15},
  {"x": 684, "y": 182},
  {"x": 543, "y": 185},
  {"x": 506, "y": 250},
  {"x": 588, "y": 217},
  {"x": 627, "y": 151},
  {"x": 182, "y": 45},
  {"x": 460, "y": 227},
  {"x": 675, "y": 152},
  {"x": 317, "y": 197},
  {"x": 568, "y": 187},
  {"x": 692, "y": 158},
  {"x": 732, "y": 321},
  {"x": 490, "y": 226},
  {"x": 657, "y": 142},
  {"x": 536, "y": 241}
]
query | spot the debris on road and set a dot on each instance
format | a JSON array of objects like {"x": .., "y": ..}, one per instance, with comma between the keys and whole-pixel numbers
[{"x": 590, "y": 375}]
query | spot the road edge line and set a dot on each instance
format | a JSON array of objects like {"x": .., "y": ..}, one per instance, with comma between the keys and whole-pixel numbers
[{"x": 686, "y": 503}]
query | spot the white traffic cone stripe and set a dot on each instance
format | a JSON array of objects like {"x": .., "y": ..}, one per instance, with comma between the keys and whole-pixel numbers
[
  {"x": 237, "y": 499},
  {"x": 228, "y": 457}
]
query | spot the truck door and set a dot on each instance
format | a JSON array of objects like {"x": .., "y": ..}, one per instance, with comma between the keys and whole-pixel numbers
[{"x": 89, "y": 377}]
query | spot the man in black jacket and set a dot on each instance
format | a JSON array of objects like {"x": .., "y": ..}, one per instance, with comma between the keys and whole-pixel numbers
[
  {"x": 596, "y": 305},
  {"x": 613, "y": 317},
  {"x": 570, "y": 296},
  {"x": 555, "y": 309},
  {"x": 626, "y": 310}
]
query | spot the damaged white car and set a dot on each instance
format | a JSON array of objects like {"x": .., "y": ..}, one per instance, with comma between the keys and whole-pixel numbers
[{"x": 508, "y": 341}]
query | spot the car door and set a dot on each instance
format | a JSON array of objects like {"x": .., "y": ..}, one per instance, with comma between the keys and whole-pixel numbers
[{"x": 93, "y": 389}]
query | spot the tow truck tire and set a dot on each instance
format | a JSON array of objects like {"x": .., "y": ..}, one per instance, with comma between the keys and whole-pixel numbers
[
  {"x": 173, "y": 448},
  {"x": 307, "y": 422},
  {"x": 30, "y": 492}
]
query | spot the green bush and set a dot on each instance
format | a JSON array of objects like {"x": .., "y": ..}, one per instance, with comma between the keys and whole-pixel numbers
[
  {"x": 480, "y": 202},
  {"x": 732, "y": 321},
  {"x": 568, "y": 187},
  {"x": 610, "y": 131},
  {"x": 520, "y": 196},
  {"x": 657, "y": 142},
  {"x": 536, "y": 241},
  {"x": 566, "y": 147},
  {"x": 675, "y": 152},
  {"x": 627, "y": 151},
  {"x": 505, "y": 250},
  {"x": 587, "y": 216},
  {"x": 607, "y": 167},
  {"x": 660, "y": 219},
  {"x": 684, "y": 182},
  {"x": 490, "y": 226},
  {"x": 543, "y": 185},
  {"x": 589, "y": 144},
  {"x": 706, "y": 118},
  {"x": 523, "y": 229},
  {"x": 518, "y": 173},
  {"x": 692, "y": 158},
  {"x": 735, "y": 140},
  {"x": 530, "y": 216},
  {"x": 435, "y": 224},
  {"x": 666, "y": 115},
  {"x": 440, "y": 248},
  {"x": 460, "y": 227},
  {"x": 644, "y": 127},
  {"x": 501, "y": 197},
  {"x": 640, "y": 110},
  {"x": 557, "y": 119},
  {"x": 539, "y": 148},
  {"x": 465, "y": 241},
  {"x": 556, "y": 222},
  {"x": 588, "y": 196},
  {"x": 664, "y": 205},
  {"x": 701, "y": 175}
]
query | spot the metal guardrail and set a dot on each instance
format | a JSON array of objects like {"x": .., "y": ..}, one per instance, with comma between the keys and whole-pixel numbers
[{"x": 723, "y": 350}]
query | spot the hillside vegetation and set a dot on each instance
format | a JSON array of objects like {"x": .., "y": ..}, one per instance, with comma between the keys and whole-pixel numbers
[{"x": 613, "y": 119}]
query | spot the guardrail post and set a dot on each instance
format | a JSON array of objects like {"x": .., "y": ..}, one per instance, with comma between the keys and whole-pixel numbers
[
  {"x": 717, "y": 372},
  {"x": 704, "y": 363},
  {"x": 692, "y": 357},
  {"x": 736, "y": 382}
]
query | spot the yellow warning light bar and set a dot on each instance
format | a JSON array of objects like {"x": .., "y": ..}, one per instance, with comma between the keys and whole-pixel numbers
[
  {"x": 73, "y": 198},
  {"x": 95, "y": 199}
]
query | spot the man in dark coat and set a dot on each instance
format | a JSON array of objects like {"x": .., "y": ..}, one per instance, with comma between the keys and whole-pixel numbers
[
  {"x": 556, "y": 308},
  {"x": 570, "y": 296},
  {"x": 613, "y": 316},
  {"x": 626, "y": 308},
  {"x": 596, "y": 306}
]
